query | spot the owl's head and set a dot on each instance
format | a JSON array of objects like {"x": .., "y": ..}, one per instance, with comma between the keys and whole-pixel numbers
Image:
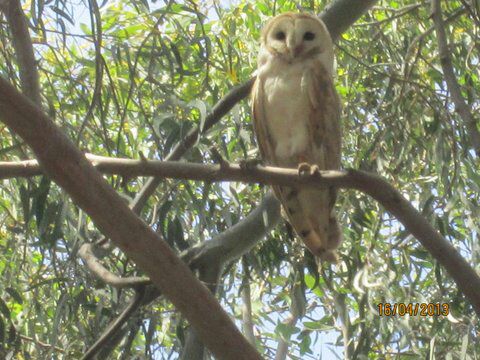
[{"x": 296, "y": 36}]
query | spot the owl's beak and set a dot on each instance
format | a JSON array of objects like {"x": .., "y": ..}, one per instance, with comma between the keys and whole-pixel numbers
[{"x": 295, "y": 51}]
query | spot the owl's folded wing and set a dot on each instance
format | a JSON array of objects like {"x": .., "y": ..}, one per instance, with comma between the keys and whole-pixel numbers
[
  {"x": 260, "y": 123},
  {"x": 325, "y": 117}
]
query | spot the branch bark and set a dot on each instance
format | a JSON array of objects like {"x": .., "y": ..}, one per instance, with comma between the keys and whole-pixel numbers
[
  {"x": 68, "y": 167},
  {"x": 239, "y": 239},
  {"x": 94, "y": 265},
  {"x": 341, "y": 14},
  {"x": 447, "y": 66},
  {"x": 22, "y": 43}
]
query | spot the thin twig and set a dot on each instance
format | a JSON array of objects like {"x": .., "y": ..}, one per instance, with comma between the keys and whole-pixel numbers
[
  {"x": 94, "y": 265},
  {"x": 41, "y": 344},
  {"x": 22, "y": 43}
]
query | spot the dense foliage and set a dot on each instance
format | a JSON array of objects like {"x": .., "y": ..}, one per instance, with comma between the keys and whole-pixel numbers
[{"x": 129, "y": 78}]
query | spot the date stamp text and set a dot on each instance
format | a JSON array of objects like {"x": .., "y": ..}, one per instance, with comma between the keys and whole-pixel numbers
[{"x": 413, "y": 309}]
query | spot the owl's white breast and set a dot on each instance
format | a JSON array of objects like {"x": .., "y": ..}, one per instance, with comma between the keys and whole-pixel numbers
[{"x": 287, "y": 107}]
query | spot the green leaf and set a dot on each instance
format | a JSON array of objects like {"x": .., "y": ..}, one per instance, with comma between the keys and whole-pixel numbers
[{"x": 321, "y": 325}]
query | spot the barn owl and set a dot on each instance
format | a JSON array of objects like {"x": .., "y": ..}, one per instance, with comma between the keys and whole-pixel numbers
[{"x": 296, "y": 116}]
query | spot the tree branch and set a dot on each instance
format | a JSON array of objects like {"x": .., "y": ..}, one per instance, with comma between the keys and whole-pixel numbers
[
  {"x": 210, "y": 255},
  {"x": 22, "y": 43},
  {"x": 446, "y": 61},
  {"x": 339, "y": 15},
  {"x": 239, "y": 239},
  {"x": 94, "y": 265},
  {"x": 466, "y": 278},
  {"x": 42, "y": 344},
  {"x": 68, "y": 167}
]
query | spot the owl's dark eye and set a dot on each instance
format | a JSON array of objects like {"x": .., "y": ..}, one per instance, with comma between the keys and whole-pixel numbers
[
  {"x": 280, "y": 35},
  {"x": 308, "y": 36}
]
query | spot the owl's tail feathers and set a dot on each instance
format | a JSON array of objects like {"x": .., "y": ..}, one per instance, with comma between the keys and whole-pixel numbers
[
  {"x": 310, "y": 214},
  {"x": 324, "y": 245}
]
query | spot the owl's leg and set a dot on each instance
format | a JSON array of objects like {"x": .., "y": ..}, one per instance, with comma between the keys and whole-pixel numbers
[{"x": 315, "y": 170}]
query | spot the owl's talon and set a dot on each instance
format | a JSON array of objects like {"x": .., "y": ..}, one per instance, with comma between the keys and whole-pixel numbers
[
  {"x": 250, "y": 164},
  {"x": 304, "y": 169},
  {"x": 314, "y": 170}
]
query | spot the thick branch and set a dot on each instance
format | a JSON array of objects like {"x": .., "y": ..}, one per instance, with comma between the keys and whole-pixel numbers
[
  {"x": 460, "y": 104},
  {"x": 208, "y": 256},
  {"x": 341, "y": 14},
  {"x": 22, "y": 43},
  {"x": 68, "y": 167}
]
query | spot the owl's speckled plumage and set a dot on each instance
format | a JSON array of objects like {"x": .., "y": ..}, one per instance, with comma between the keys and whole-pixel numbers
[{"x": 296, "y": 114}]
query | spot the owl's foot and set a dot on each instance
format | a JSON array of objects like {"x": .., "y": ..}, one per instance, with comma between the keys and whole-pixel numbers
[
  {"x": 305, "y": 169},
  {"x": 315, "y": 170},
  {"x": 249, "y": 164}
]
